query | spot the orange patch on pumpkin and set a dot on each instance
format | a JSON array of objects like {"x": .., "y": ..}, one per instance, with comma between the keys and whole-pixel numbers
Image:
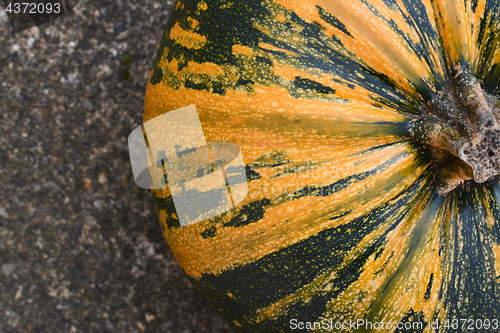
[
  {"x": 203, "y": 68},
  {"x": 243, "y": 50},
  {"x": 188, "y": 39}
]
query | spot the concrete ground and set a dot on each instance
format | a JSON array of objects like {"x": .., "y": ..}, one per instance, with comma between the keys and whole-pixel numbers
[{"x": 80, "y": 245}]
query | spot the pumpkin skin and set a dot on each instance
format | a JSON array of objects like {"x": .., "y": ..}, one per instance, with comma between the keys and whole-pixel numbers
[{"x": 342, "y": 220}]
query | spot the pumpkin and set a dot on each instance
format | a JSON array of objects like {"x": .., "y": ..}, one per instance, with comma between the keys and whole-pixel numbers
[{"x": 370, "y": 138}]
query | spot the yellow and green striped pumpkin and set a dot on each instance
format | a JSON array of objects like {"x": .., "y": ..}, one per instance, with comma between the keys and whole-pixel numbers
[{"x": 342, "y": 220}]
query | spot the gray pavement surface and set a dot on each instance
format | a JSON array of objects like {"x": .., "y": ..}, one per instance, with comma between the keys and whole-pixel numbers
[{"x": 80, "y": 245}]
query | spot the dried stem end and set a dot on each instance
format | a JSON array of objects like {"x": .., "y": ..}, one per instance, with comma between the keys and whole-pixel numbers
[{"x": 461, "y": 131}]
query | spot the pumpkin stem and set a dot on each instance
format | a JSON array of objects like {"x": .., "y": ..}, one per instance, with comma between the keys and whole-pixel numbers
[{"x": 460, "y": 129}]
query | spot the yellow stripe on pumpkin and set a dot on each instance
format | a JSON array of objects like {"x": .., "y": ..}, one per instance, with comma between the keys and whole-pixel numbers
[
  {"x": 160, "y": 99},
  {"x": 454, "y": 20}
]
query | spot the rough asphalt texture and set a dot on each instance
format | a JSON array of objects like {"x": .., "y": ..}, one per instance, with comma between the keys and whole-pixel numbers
[{"x": 80, "y": 245}]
